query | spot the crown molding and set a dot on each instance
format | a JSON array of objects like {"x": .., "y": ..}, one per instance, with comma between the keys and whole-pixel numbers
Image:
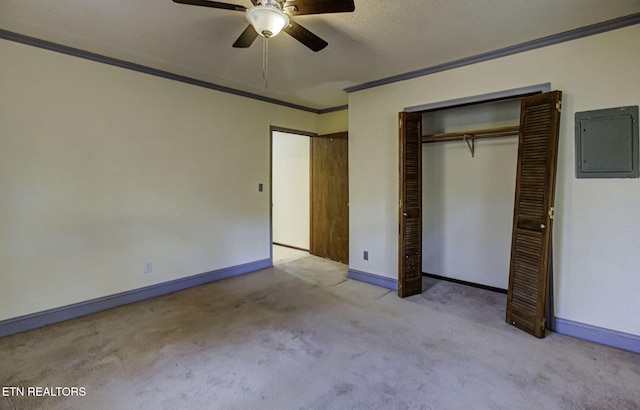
[
  {"x": 570, "y": 35},
  {"x": 76, "y": 52}
]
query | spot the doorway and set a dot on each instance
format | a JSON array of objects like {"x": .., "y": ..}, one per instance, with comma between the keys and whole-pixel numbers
[
  {"x": 310, "y": 193},
  {"x": 291, "y": 189}
]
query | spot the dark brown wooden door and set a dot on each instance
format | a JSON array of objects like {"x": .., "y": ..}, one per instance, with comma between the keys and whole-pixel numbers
[
  {"x": 533, "y": 213},
  {"x": 330, "y": 196},
  {"x": 410, "y": 238}
]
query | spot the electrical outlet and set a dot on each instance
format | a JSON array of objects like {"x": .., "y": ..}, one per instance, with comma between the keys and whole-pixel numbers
[
  {"x": 365, "y": 255},
  {"x": 148, "y": 267}
]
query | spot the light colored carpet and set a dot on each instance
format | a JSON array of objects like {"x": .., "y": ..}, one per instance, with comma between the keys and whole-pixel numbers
[{"x": 302, "y": 336}]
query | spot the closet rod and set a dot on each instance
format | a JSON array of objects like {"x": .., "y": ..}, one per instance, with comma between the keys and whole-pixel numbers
[{"x": 473, "y": 134}]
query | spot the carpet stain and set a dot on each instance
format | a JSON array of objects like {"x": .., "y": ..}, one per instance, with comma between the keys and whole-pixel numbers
[{"x": 343, "y": 388}]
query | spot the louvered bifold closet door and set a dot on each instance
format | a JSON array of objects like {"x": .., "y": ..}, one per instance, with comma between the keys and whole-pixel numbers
[
  {"x": 533, "y": 213},
  {"x": 410, "y": 238}
]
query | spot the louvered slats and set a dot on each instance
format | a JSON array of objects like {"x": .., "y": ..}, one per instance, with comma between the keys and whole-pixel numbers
[
  {"x": 412, "y": 265},
  {"x": 527, "y": 266},
  {"x": 533, "y": 177},
  {"x": 537, "y": 156},
  {"x": 410, "y": 238}
]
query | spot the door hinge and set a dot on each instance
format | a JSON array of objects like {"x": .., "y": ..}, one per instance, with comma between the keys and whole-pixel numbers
[
  {"x": 559, "y": 106},
  {"x": 552, "y": 212}
]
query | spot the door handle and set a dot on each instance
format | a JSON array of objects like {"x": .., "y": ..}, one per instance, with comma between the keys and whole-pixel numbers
[
  {"x": 404, "y": 214},
  {"x": 542, "y": 226}
]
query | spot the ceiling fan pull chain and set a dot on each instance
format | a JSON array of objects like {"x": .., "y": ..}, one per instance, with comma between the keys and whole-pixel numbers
[{"x": 265, "y": 61}]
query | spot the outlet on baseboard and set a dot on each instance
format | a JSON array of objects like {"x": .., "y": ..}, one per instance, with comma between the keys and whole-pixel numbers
[
  {"x": 148, "y": 267},
  {"x": 365, "y": 255}
]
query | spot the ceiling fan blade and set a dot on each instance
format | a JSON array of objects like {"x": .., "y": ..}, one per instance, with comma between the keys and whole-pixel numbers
[
  {"x": 247, "y": 37},
  {"x": 302, "y": 7},
  {"x": 304, "y": 36},
  {"x": 213, "y": 4}
]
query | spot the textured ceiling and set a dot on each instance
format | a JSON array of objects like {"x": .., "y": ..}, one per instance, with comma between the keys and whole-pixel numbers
[{"x": 380, "y": 39}]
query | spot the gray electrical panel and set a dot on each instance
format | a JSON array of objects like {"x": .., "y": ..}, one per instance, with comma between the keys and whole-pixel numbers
[{"x": 607, "y": 143}]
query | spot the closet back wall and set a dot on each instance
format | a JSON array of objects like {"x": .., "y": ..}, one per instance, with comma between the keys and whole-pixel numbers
[{"x": 468, "y": 201}]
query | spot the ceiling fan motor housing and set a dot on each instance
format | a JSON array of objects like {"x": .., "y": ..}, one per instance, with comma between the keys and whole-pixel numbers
[
  {"x": 277, "y": 3},
  {"x": 268, "y": 17}
]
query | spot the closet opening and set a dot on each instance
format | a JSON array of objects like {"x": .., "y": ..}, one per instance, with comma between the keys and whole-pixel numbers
[
  {"x": 469, "y": 163},
  {"x": 482, "y": 219}
]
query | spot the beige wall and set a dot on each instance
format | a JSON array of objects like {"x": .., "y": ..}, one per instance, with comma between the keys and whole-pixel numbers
[
  {"x": 333, "y": 122},
  {"x": 103, "y": 170},
  {"x": 596, "y": 245}
]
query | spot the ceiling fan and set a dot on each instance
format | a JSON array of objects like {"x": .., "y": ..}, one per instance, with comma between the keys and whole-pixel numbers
[{"x": 269, "y": 17}]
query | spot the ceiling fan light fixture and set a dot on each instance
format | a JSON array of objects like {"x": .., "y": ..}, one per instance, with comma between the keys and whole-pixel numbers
[{"x": 267, "y": 20}]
